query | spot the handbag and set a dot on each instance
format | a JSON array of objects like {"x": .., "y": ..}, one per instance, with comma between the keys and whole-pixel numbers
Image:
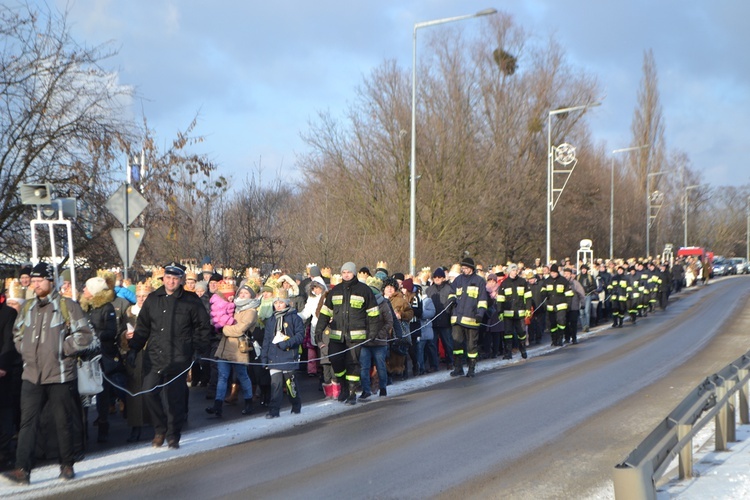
[
  {"x": 90, "y": 378},
  {"x": 243, "y": 344}
]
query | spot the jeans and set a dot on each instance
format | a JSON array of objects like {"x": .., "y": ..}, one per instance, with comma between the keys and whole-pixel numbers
[
  {"x": 586, "y": 312},
  {"x": 429, "y": 346},
  {"x": 366, "y": 356},
  {"x": 225, "y": 369},
  {"x": 444, "y": 333}
]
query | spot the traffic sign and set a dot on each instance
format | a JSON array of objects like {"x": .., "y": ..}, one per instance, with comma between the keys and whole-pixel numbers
[
  {"x": 134, "y": 237},
  {"x": 126, "y": 200}
]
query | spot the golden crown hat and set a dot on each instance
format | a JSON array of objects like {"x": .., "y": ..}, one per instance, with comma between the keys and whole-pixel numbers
[
  {"x": 157, "y": 272},
  {"x": 310, "y": 265},
  {"x": 381, "y": 265},
  {"x": 207, "y": 268},
  {"x": 325, "y": 272},
  {"x": 336, "y": 279},
  {"x": 280, "y": 294},
  {"x": 455, "y": 269},
  {"x": 143, "y": 288},
  {"x": 191, "y": 274},
  {"x": 272, "y": 282},
  {"x": 226, "y": 287},
  {"x": 14, "y": 290},
  {"x": 362, "y": 276},
  {"x": 252, "y": 272},
  {"x": 227, "y": 272},
  {"x": 528, "y": 274},
  {"x": 277, "y": 271}
]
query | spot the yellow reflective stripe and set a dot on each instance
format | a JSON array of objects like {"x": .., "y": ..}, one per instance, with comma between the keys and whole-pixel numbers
[
  {"x": 482, "y": 304},
  {"x": 373, "y": 312},
  {"x": 472, "y": 291},
  {"x": 337, "y": 300},
  {"x": 352, "y": 378},
  {"x": 562, "y": 307},
  {"x": 465, "y": 320},
  {"x": 527, "y": 295},
  {"x": 357, "y": 301},
  {"x": 451, "y": 296},
  {"x": 341, "y": 373},
  {"x": 453, "y": 320},
  {"x": 472, "y": 355},
  {"x": 520, "y": 290},
  {"x": 507, "y": 291},
  {"x": 336, "y": 334},
  {"x": 569, "y": 293},
  {"x": 458, "y": 352},
  {"x": 326, "y": 311},
  {"x": 501, "y": 298},
  {"x": 358, "y": 334}
]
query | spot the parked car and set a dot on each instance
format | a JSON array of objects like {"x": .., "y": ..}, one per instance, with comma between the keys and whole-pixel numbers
[
  {"x": 739, "y": 265},
  {"x": 720, "y": 267}
]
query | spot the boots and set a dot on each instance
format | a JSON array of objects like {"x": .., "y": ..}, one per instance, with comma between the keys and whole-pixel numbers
[
  {"x": 248, "y": 409},
  {"x": 233, "y": 395},
  {"x": 352, "y": 399},
  {"x": 508, "y": 349},
  {"x": 328, "y": 391},
  {"x": 103, "y": 433},
  {"x": 522, "y": 348},
  {"x": 616, "y": 322},
  {"x": 343, "y": 392},
  {"x": 458, "y": 369},
  {"x": 335, "y": 390},
  {"x": 472, "y": 366},
  {"x": 620, "y": 320},
  {"x": 216, "y": 408},
  {"x": 135, "y": 434}
]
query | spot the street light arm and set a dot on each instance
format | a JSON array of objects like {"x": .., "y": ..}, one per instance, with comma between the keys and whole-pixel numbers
[{"x": 424, "y": 24}]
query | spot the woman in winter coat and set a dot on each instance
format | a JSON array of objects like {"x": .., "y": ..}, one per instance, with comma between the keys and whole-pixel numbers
[
  {"x": 234, "y": 347},
  {"x": 97, "y": 305},
  {"x": 315, "y": 290},
  {"x": 426, "y": 336},
  {"x": 404, "y": 313},
  {"x": 284, "y": 334},
  {"x": 137, "y": 414}
]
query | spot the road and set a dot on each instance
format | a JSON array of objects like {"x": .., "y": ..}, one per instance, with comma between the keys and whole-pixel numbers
[{"x": 551, "y": 427}]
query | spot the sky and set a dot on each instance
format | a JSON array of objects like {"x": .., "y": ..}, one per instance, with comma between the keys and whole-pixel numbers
[{"x": 257, "y": 73}]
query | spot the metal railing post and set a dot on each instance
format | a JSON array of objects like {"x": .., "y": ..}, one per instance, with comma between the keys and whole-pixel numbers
[
  {"x": 634, "y": 483},
  {"x": 720, "y": 420},
  {"x": 731, "y": 415},
  {"x": 743, "y": 393},
  {"x": 686, "y": 453}
]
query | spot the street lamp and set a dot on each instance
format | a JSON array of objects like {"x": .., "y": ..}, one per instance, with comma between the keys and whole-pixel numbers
[
  {"x": 687, "y": 189},
  {"x": 612, "y": 196},
  {"x": 550, "y": 164},
  {"x": 413, "y": 166},
  {"x": 650, "y": 198}
]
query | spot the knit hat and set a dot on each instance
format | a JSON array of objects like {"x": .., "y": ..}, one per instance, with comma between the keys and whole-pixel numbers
[
  {"x": 492, "y": 277},
  {"x": 25, "y": 270},
  {"x": 314, "y": 271},
  {"x": 246, "y": 286},
  {"x": 43, "y": 270},
  {"x": 201, "y": 285},
  {"x": 408, "y": 285},
  {"x": 468, "y": 262},
  {"x": 399, "y": 276},
  {"x": 438, "y": 273},
  {"x": 554, "y": 269},
  {"x": 215, "y": 277},
  {"x": 349, "y": 266},
  {"x": 511, "y": 267},
  {"x": 96, "y": 284}
]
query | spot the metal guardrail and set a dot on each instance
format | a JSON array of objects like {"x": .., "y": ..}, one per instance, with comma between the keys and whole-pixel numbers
[{"x": 635, "y": 478}]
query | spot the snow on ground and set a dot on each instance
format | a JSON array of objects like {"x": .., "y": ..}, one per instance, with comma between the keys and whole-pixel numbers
[{"x": 107, "y": 465}]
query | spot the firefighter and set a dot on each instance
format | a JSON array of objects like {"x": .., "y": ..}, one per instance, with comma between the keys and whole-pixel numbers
[
  {"x": 470, "y": 295},
  {"x": 618, "y": 290},
  {"x": 559, "y": 295},
  {"x": 635, "y": 296},
  {"x": 654, "y": 285},
  {"x": 513, "y": 300},
  {"x": 349, "y": 316}
]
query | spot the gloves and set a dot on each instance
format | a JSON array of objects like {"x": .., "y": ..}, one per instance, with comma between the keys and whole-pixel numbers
[
  {"x": 131, "y": 358},
  {"x": 479, "y": 318}
]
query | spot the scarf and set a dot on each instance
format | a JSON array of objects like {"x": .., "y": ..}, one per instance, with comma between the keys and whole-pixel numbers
[
  {"x": 279, "y": 319},
  {"x": 245, "y": 304}
]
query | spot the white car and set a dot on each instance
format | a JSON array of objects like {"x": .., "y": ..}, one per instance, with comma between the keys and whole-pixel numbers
[{"x": 739, "y": 265}]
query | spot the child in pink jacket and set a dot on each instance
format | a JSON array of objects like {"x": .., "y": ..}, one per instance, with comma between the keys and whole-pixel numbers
[{"x": 222, "y": 307}]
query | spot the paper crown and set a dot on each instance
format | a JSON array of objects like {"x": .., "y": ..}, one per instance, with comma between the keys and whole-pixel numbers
[
  {"x": 335, "y": 279},
  {"x": 227, "y": 272},
  {"x": 226, "y": 287},
  {"x": 157, "y": 272},
  {"x": 325, "y": 272},
  {"x": 362, "y": 276},
  {"x": 276, "y": 271},
  {"x": 280, "y": 294},
  {"x": 143, "y": 288},
  {"x": 381, "y": 265},
  {"x": 191, "y": 274},
  {"x": 207, "y": 268},
  {"x": 14, "y": 290},
  {"x": 252, "y": 272},
  {"x": 455, "y": 269},
  {"x": 310, "y": 265}
]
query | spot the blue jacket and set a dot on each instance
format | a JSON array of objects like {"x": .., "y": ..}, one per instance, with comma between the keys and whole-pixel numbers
[
  {"x": 428, "y": 312},
  {"x": 471, "y": 300},
  {"x": 285, "y": 354}
]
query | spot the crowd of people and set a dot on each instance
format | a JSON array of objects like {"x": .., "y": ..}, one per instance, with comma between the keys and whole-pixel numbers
[{"x": 246, "y": 335}]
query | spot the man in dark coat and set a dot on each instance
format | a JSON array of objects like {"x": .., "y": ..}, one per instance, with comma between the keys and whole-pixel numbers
[{"x": 173, "y": 325}]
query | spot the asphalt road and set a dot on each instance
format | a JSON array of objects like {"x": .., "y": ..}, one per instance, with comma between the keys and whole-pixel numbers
[{"x": 551, "y": 427}]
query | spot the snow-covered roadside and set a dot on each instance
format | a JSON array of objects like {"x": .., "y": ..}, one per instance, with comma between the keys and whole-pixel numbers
[{"x": 107, "y": 465}]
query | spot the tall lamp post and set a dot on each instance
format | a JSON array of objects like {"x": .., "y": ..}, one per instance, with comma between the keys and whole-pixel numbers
[
  {"x": 748, "y": 231},
  {"x": 687, "y": 189},
  {"x": 550, "y": 167},
  {"x": 612, "y": 196},
  {"x": 413, "y": 162},
  {"x": 649, "y": 197}
]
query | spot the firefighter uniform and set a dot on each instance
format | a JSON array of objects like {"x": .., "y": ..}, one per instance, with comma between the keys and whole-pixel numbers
[
  {"x": 349, "y": 316},
  {"x": 559, "y": 296},
  {"x": 618, "y": 290},
  {"x": 513, "y": 301},
  {"x": 635, "y": 298},
  {"x": 470, "y": 295}
]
